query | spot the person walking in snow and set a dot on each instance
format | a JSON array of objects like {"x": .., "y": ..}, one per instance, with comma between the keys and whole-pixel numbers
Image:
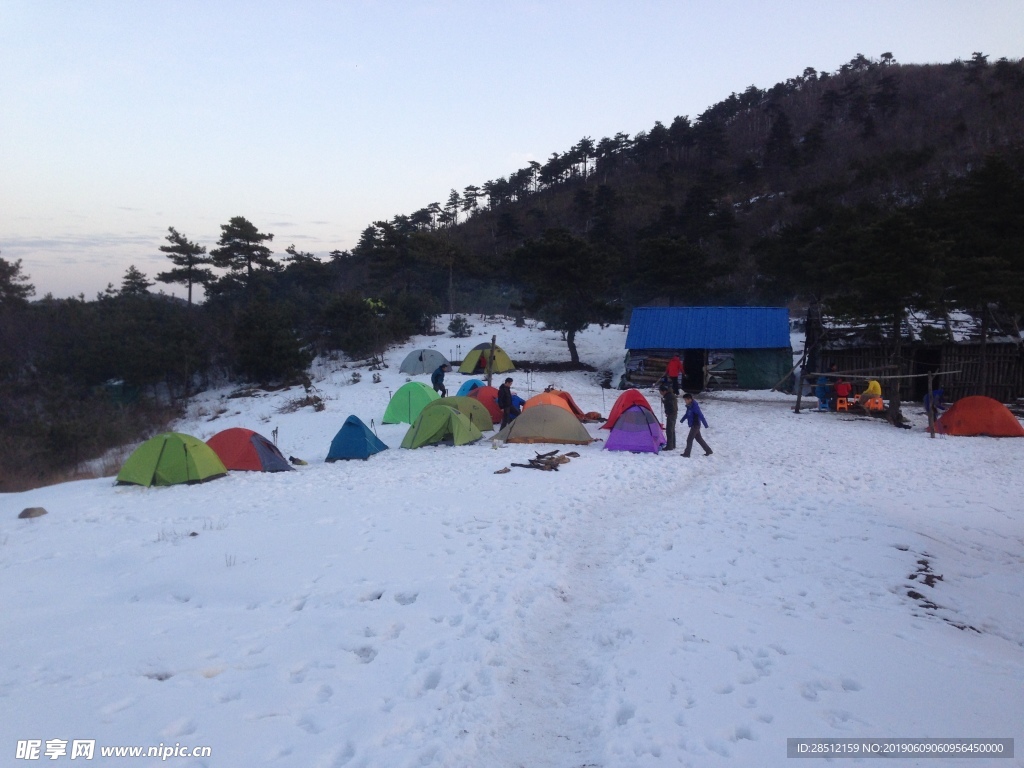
[
  {"x": 671, "y": 406},
  {"x": 694, "y": 417},
  {"x": 437, "y": 379}
]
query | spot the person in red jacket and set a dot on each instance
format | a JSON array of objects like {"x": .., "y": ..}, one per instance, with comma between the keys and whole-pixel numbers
[
  {"x": 843, "y": 389},
  {"x": 674, "y": 372}
]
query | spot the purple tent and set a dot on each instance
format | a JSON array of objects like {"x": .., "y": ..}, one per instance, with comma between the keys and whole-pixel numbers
[{"x": 637, "y": 430}]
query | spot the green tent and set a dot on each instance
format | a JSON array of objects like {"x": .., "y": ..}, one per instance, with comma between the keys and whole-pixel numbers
[
  {"x": 472, "y": 361},
  {"x": 440, "y": 423},
  {"x": 169, "y": 459},
  {"x": 472, "y": 409},
  {"x": 407, "y": 403}
]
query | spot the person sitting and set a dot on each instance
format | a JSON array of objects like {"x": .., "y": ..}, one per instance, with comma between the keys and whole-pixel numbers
[
  {"x": 843, "y": 389},
  {"x": 821, "y": 392},
  {"x": 871, "y": 398}
]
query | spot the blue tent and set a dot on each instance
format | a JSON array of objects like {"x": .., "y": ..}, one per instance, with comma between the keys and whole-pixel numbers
[
  {"x": 354, "y": 441},
  {"x": 469, "y": 386}
]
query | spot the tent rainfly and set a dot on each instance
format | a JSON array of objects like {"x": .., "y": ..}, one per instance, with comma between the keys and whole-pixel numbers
[
  {"x": 469, "y": 407},
  {"x": 407, "y": 402},
  {"x": 624, "y": 401},
  {"x": 354, "y": 441},
  {"x": 170, "y": 459},
  {"x": 476, "y": 360},
  {"x": 545, "y": 424},
  {"x": 468, "y": 386},
  {"x": 979, "y": 415},
  {"x": 636, "y": 429},
  {"x": 440, "y": 424},
  {"x": 422, "y": 361},
  {"x": 244, "y": 450}
]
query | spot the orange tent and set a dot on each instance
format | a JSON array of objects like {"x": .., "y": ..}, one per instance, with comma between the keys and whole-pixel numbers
[
  {"x": 626, "y": 399},
  {"x": 979, "y": 415},
  {"x": 549, "y": 398}
]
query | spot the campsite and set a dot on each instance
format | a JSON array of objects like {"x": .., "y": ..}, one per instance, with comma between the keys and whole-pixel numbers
[{"x": 822, "y": 575}]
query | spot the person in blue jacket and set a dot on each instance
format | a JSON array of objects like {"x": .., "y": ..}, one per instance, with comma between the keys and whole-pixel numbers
[
  {"x": 935, "y": 402},
  {"x": 821, "y": 391},
  {"x": 693, "y": 418},
  {"x": 437, "y": 379}
]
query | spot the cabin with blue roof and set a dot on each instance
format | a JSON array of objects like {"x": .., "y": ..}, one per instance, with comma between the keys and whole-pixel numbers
[{"x": 721, "y": 347}]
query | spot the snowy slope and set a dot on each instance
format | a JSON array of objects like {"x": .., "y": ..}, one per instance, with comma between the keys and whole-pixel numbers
[{"x": 417, "y": 609}]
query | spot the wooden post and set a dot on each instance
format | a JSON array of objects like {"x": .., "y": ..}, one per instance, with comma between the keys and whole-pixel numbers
[
  {"x": 490, "y": 360},
  {"x": 931, "y": 404}
]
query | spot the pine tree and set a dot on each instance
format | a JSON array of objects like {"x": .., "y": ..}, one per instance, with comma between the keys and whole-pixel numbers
[
  {"x": 135, "y": 282},
  {"x": 14, "y": 286},
  {"x": 242, "y": 248},
  {"x": 188, "y": 258}
]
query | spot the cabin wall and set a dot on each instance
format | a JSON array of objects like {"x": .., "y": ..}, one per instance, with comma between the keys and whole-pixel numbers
[{"x": 1004, "y": 364}]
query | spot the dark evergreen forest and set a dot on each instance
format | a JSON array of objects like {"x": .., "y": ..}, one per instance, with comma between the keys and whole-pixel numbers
[{"x": 875, "y": 189}]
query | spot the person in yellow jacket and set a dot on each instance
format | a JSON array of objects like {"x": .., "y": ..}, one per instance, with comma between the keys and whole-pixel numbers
[{"x": 871, "y": 398}]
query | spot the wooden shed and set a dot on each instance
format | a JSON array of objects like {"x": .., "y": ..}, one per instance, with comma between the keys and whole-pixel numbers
[
  {"x": 720, "y": 347},
  {"x": 949, "y": 345}
]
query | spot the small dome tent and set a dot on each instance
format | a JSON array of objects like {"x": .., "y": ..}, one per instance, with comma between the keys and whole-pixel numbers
[
  {"x": 548, "y": 398},
  {"x": 979, "y": 415},
  {"x": 625, "y": 400},
  {"x": 489, "y": 397},
  {"x": 636, "y": 429},
  {"x": 245, "y": 450},
  {"x": 469, "y": 386},
  {"x": 354, "y": 441},
  {"x": 422, "y": 361},
  {"x": 471, "y": 362},
  {"x": 469, "y": 407},
  {"x": 170, "y": 459},
  {"x": 440, "y": 424},
  {"x": 545, "y": 424},
  {"x": 407, "y": 402}
]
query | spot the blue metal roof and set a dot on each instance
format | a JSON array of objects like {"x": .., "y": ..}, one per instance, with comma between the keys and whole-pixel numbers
[{"x": 708, "y": 328}]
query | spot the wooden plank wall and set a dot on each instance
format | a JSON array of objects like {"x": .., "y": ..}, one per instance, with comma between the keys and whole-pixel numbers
[{"x": 1005, "y": 364}]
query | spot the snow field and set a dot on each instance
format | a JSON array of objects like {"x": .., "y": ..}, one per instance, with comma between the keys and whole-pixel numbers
[{"x": 628, "y": 610}]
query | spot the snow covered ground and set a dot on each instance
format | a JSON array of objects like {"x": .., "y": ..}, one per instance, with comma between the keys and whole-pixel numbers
[{"x": 819, "y": 576}]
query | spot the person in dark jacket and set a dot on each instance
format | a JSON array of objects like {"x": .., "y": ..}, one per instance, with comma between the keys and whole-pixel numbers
[
  {"x": 437, "y": 379},
  {"x": 693, "y": 417},
  {"x": 671, "y": 405},
  {"x": 505, "y": 402}
]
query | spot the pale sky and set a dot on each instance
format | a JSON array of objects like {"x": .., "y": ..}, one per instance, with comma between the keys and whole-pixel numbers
[{"x": 314, "y": 119}]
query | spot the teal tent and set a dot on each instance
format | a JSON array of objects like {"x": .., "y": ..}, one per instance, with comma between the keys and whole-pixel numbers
[{"x": 354, "y": 441}]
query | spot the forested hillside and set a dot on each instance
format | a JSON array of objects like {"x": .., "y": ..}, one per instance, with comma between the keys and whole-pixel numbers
[{"x": 872, "y": 189}]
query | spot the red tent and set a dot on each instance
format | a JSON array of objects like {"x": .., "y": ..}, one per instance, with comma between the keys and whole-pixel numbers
[
  {"x": 489, "y": 397},
  {"x": 244, "y": 449},
  {"x": 626, "y": 399},
  {"x": 979, "y": 415}
]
